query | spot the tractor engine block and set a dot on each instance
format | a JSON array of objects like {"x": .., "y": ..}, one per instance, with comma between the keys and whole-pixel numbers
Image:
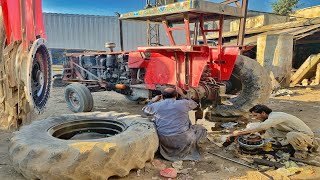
[{"x": 112, "y": 68}]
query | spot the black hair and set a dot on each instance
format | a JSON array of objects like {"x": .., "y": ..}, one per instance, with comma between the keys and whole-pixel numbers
[
  {"x": 169, "y": 93},
  {"x": 260, "y": 108}
]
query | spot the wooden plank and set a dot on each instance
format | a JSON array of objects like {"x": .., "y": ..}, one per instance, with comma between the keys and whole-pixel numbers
[
  {"x": 306, "y": 70},
  {"x": 317, "y": 80},
  {"x": 297, "y": 32},
  {"x": 271, "y": 27}
]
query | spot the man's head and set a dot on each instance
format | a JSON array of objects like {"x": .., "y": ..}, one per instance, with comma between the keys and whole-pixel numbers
[
  {"x": 169, "y": 93},
  {"x": 260, "y": 112}
]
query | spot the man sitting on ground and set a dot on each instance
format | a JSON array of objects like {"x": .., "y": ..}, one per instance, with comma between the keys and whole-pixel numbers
[
  {"x": 178, "y": 137},
  {"x": 284, "y": 128}
]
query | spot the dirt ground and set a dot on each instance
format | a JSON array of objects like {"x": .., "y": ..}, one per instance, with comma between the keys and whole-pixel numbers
[{"x": 304, "y": 103}]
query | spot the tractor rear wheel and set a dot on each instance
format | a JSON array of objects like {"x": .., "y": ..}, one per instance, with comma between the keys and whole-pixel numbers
[
  {"x": 83, "y": 146},
  {"x": 251, "y": 85},
  {"x": 25, "y": 80}
]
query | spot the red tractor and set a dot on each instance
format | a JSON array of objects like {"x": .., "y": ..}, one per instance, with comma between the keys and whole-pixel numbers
[
  {"x": 25, "y": 63},
  {"x": 218, "y": 77}
]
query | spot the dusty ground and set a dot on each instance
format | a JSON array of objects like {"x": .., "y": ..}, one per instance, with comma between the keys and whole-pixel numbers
[{"x": 305, "y": 104}]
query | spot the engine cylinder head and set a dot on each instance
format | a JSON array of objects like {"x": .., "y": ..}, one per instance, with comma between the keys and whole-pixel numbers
[{"x": 111, "y": 60}]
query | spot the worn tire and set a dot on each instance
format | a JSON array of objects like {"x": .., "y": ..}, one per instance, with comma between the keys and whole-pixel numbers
[
  {"x": 256, "y": 88},
  {"x": 38, "y": 155},
  {"x": 83, "y": 95}
]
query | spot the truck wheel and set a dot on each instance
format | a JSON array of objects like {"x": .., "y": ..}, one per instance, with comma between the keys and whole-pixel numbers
[
  {"x": 78, "y": 98},
  {"x": 83, "y": 146},
  {"x": 255, "y": 88}
]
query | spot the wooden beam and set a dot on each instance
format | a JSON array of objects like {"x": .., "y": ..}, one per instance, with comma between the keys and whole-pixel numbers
[
  {"x": 271, "y": 27},
  {"x": 317, "y": 80},
  {"x": 307, "y": 42},
  {"x": 242, "y": 25},
  {"x": 306, "y": 70},
  {"x": 296, "y": 32}
]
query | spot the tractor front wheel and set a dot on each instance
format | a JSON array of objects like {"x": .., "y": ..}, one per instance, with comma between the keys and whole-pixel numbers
[{"x": 78, "y": 98}]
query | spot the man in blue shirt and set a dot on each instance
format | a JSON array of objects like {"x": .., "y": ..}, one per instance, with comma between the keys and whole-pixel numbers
[{"x": 178, "y": 137}]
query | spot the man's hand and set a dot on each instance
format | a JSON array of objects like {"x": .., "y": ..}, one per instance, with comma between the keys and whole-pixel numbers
[
  {"x": 180, "y": 91},
  {"x": 156, "y": 98},
  {"x": 239, "y": 133},
  {"x": 233, "y": 135},
  {"x": 236, "y": 133}
]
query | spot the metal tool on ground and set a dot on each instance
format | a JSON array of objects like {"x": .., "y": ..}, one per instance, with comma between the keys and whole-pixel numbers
[
  {"x": 232, "y": 160},
  {"x": 243, "y": 164},
  {"x": 310, "y": 162},
  {"x": 267, "y": 163}
]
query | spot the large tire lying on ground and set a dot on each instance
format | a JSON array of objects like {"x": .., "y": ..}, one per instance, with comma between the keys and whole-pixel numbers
[
  {"x": 83, "y": 146},
  {"x": 256, "y": 88},
  {"x": 78, "y": 98}
]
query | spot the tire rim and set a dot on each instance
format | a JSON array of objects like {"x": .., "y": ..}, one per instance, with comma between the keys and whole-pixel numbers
[
  {"x": 87, "y": 129},
  {"x": 39, "y": 76},
  {"x": 234, "y": 85},
  {"x": 37, "y": 69},
  {"x": 234, "y": 88},
  {"x": 74, "y": 99}
]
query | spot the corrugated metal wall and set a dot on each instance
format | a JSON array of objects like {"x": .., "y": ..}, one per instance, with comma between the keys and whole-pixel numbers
[{"x": 66, "y": 31}]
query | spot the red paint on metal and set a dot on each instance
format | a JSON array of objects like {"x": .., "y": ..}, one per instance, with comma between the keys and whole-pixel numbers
[
  {"x": 12, "y": 16},
  {"x": 39, "y": 19},
  {"x": 176, "y": 28},
  {"x": 29, "y": 18},
  {"x": 169, "y": 32},
  {"x": 161, "y": 68},
  {"x": 5, "y": 18},
  {"x": 192, "y": 48},
  {"x": 151, "y": 86},
  {"x": 136, "y": 60},
  {"x": 225, "y": 64},
  {"x": 203, "y": 30},
  {"x": 187, "y": 28}
]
